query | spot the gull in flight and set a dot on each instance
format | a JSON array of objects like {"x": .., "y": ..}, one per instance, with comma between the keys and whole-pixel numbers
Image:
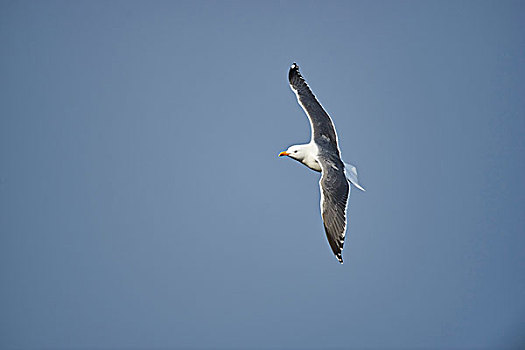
[{"x": 322, "y": 155}]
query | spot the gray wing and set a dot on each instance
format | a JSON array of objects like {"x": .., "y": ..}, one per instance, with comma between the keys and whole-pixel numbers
[
  {"x": 320, "y": 121},
  {"x": 334, "y": 199}
]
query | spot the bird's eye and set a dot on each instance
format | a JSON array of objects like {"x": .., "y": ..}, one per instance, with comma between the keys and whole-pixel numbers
[{"x": 295, "y": 151}]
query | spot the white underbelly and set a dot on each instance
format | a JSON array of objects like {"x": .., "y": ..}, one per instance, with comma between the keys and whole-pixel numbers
[{"x": 312, "y": 164}]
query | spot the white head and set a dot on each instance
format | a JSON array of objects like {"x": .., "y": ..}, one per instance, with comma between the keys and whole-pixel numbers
[
  {"x": 306, "y": 154},
  {"x": 297, "y": 152}
]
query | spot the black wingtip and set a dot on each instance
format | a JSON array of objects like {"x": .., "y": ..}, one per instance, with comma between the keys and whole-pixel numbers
[
  {"x": 294, "y": 72},
  {"x": 294, "y": 68}
]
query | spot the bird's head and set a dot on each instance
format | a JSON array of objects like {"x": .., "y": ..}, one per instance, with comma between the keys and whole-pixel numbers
[{"x": 295, "y": 152}]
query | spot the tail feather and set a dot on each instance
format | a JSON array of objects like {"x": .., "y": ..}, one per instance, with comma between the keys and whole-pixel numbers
[{"x": 351, "y": 175}]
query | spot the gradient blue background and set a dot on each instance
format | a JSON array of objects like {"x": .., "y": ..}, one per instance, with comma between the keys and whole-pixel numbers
[{"x": 142, "y": 203}]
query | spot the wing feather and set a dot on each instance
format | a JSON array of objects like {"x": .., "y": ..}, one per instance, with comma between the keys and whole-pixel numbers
[
  {"x": 335, "y": 191},
  {"x": 320, "y": 122}
]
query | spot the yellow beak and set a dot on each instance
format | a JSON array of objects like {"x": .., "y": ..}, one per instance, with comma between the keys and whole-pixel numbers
[{"x": 284, "y": 154}]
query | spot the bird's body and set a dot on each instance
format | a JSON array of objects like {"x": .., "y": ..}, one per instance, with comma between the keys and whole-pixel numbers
[{"x": 322, "y": 154}]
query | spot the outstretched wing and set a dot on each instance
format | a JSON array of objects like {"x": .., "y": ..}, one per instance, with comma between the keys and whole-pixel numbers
[
  {"x": 320, "y": 121},
  {"x": 334, "y": 199}
]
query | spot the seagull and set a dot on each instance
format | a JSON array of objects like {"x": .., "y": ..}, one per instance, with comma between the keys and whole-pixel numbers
[{"x": 322, "y": 154}]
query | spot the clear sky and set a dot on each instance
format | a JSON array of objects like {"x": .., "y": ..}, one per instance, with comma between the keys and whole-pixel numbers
[{"x": 143, "y": 205}]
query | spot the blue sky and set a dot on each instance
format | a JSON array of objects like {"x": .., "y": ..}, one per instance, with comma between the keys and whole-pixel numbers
[{"x": 142, "y": 203}]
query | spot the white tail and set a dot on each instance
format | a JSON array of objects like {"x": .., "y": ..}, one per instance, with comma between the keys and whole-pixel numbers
[{"x": 351, "y": 175}]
